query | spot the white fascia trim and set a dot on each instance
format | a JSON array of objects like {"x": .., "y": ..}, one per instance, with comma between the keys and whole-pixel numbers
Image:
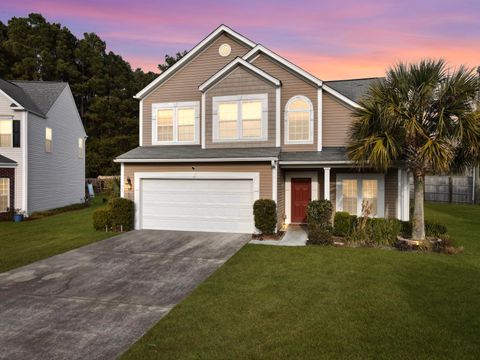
[
  {"x": 140, "y": 123},
  {"x": 24, "y": 145},
  {"x": 191, "y": 54},
  {"x": 202, "y": 141},
  {"x": 237, "y": 62},
  {"x": 313, "y": 175},
  {"x": 278, "y": 117},
  {"x": 254, "y": 176},
  {"x": 341, "y": 97},
  {"x": 250, "y": 56},
  {"x": 7, "y": 165},
  {"x": 320, "y": 119},
  {"x": 257, "y": 159},
  {"x": 122, "y": 180}
]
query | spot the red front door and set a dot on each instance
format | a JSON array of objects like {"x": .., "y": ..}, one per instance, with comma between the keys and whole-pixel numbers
[{"x": 301, "y": 195}]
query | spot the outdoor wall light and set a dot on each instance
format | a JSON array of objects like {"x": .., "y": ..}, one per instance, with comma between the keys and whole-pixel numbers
[{"x": 128, "y": 184}]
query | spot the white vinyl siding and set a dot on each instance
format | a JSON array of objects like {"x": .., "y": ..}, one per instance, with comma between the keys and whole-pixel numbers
[
  {"x": 299, "y": 121},
  {"x": 240, "y": 118},
  {"x": 4, "y": 194},
  {"x": 354, "y": 191},
  {"x": 56, "y": 179},
  {"x": 175, "y": 123}
]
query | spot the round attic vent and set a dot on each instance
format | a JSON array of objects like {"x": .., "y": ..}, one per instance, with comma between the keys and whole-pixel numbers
[{"x": 224, "y": 50}]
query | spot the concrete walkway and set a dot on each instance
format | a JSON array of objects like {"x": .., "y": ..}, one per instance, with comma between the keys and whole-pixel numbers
[
  {"x": 96, "y": 301},
  {"x": 295, "y": 236}
]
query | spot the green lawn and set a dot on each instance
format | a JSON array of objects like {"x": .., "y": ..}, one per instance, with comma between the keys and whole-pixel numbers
[
  {"x": 332, "y": 303},
  {"x": 29, "y": 241}
]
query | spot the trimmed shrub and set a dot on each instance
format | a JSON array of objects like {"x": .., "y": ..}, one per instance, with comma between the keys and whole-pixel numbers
[
  {"x": 122, "y": 213},
  {"x": 101, "y": 219},
  {"x": 319, "y": 219},
  {"x": 435, "y": 229},
  {"x": 342, "y": 223},
  {"x": 265, "y": 214}
]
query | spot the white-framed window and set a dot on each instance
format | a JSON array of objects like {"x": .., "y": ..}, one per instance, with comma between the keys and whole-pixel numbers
[
  {"x": 175, "y": 123},
  {"x": 240, "y": 118},
  {"x": 4, "y": 194},
  {"x": 6, "y": 132},
  {"x": 48, "y": 139},
  {"x": 80, "y": 147},
  {"x": 354, "y": 189},
  {"x": 299, "y": 120}
]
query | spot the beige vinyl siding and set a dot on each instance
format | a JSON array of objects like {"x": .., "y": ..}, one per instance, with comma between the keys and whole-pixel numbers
[
  {"x": 240, "y": 82},
  {"x": 183, "y": 85},
  {"x": 264, "y": 169},
  {"x": 16, "y": 154},
  {"x": 391, "y": 189},
  {"x": 292, "y": 85},
  {"x": 337, "y": 120},
  {"x": 56, "y": 179}
]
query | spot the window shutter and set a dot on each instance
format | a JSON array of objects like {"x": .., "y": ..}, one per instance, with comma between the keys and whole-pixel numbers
[{"x": 16, "y": 133}]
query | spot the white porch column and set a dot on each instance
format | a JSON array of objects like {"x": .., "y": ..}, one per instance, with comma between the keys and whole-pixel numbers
[{"x": 326, "y": 183}]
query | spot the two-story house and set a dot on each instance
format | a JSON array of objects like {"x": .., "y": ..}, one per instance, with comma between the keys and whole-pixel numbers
[
  {"x": 232, "y": 122},
  {"x": 42, "y": 146}
]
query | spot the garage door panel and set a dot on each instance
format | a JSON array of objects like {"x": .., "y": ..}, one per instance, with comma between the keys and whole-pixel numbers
[{"x": 197, "y": 204}]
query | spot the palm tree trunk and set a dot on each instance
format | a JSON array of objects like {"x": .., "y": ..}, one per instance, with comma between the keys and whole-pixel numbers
[{"x": 418, "y": 224}]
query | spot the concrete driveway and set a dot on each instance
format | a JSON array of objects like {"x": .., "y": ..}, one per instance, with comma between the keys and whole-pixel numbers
[{"x": 96, "y": 301}]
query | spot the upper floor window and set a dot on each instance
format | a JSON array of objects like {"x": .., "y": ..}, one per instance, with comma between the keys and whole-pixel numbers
[
  {"x": 48, "y": 140},
  {"x": 176, "y": 123},
  {"x": 299, "y": 121},
  {"x": 240, "y": 118},
  {"x": 80, "y": 147},
  {"x": 6, "y": 133}
]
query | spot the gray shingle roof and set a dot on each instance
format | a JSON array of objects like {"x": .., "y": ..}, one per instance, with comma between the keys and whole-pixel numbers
[
  {"x": 328, "y": 154},
  {"x": 196, "y": 152},
  {"x": 35, "y": 96},
  {"x": 42, "y": 93},
  {"x": 5, "y": 160},
  {"x": 354, "y": 89}
]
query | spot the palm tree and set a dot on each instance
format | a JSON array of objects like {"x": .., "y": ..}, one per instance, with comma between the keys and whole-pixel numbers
[{"x": 420, "y": 116}]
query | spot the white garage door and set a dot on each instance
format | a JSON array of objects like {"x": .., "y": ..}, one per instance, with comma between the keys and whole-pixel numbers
[{"x": 197, "y": 205}]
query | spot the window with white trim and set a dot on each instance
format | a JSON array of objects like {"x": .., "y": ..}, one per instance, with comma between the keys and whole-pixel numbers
[
  {"x": 299, "y": 120},
  {"x": 4, "y": 194},
  {"x": 48, "y": 139},
  {"x": 175, "y": 123},
  {"x": 6, "y": 133},
  {"x": 353, "y": 190},
  {"x": 240, "y": 118},
  {"x": 80, "y": 147}
]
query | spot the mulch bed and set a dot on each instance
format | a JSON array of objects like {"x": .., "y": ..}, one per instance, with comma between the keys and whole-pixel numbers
[{"x": 277, "y": 236}]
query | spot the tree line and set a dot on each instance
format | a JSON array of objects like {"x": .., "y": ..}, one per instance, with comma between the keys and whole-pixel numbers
[{"x": 102, "y": 82}]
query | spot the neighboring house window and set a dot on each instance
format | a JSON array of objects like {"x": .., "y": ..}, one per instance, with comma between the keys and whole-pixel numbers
[
  {"x": 240, "y": 118},
  {"x": 176, "y": 123},
  {"x": 353, "y": 190},
  {"x": 6, "y": 133},
  {"x": 299, "y": 121},
  {"x": 80, "y": 147},
  {"x": 48, "y": 140},
  {"x": 4, "y": 194}
]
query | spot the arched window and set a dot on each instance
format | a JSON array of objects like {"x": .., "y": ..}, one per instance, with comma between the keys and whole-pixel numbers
[{"x": 299, "y": 121}]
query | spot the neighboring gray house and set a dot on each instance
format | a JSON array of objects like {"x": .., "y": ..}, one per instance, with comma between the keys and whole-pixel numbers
[{"x": 42, "y": 146}]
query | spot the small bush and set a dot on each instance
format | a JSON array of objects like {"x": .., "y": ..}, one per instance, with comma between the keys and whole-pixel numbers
[
  {"x": 319, "y": 212},
  {"x": 342, "y": 223},
  {"x": 406, "y": 229},
  {"x": 319, "y": 219},
  {"x": 375, "y": 232},
  {"x": 434, "y": 229},
  {"x": 265, "y": 214},
  {"x": 122, "y": 214},
  {"x": 102, "y": 219}
]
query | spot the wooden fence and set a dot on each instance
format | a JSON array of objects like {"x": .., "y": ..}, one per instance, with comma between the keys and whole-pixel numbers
[{"x": 450, "y": 189}]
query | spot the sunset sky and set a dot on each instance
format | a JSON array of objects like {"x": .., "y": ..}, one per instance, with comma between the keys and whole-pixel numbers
[{"x": 331, "y": 39}]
